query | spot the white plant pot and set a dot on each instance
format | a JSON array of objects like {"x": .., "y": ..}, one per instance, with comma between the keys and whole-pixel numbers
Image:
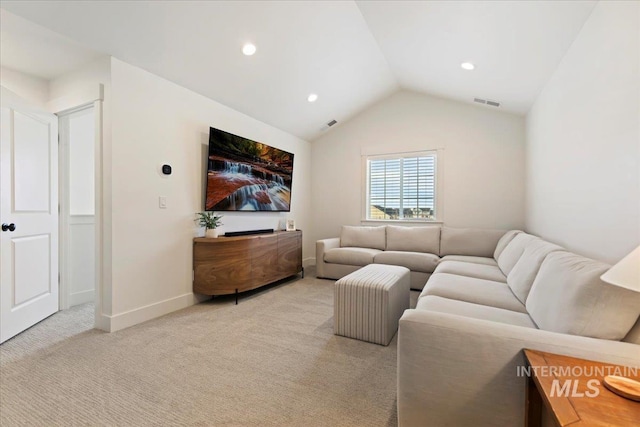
[{"x": 211, "y": 233}]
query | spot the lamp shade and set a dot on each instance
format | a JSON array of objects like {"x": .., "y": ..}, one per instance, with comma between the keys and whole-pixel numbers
[{"x": 626, "y": 273}]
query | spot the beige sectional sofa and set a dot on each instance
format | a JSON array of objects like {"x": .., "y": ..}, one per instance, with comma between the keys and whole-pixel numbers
[
  {"x": 459, "y": 349},
  {"x": 420, "y": 249}
]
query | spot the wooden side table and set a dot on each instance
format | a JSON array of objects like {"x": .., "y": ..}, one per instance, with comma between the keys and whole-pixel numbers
[{"x": 572, "y": 390}]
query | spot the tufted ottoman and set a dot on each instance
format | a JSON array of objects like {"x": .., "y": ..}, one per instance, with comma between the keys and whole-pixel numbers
[{"x": 368, "y": 303}]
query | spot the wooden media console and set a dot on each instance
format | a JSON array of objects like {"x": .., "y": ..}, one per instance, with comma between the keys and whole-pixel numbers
[{"x": 228, "y": 265}]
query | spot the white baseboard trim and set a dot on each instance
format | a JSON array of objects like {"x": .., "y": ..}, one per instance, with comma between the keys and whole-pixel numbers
[
  {"x": 309, "y": 262},
  {"x": 148, "y": 312},
  {"x": 102, "y": 322},
  {"x": 81, "y": 297}
]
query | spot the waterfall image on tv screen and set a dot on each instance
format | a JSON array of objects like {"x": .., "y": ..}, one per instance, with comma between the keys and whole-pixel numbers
[{"x": 245, "y": 175}]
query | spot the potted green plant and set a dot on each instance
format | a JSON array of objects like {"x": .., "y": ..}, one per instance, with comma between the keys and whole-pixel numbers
[{"x": 210, "y": 221}]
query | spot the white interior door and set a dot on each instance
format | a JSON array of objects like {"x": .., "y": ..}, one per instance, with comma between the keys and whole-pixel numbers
[{"x": 29, "y": 215}]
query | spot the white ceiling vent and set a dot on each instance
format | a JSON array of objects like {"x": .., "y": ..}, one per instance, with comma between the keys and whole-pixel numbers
[
  {"x": 487, "y": 102},
  {"x": 328, "y": 125}
]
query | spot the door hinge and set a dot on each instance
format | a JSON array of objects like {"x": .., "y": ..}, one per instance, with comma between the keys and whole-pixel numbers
[{"x": 193, "y": 275}]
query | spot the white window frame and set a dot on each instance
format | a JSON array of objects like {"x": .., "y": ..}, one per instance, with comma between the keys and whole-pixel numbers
[{"x": 438, "y": 196}]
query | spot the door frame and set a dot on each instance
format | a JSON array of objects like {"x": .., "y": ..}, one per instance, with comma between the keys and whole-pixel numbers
[{"x": 83, "y": 97}]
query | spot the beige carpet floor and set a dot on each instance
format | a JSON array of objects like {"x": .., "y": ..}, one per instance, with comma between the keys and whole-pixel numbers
[{"x": 272, "y": 360}]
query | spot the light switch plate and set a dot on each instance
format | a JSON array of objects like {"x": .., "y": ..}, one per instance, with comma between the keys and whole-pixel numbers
[{"x": 162, "y": 201}]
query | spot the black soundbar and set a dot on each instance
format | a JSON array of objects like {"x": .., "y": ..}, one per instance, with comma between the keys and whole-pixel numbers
[{"x": 248, "y": 232}]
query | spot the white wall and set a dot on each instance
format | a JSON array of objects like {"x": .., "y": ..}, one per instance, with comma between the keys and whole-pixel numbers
[
  {"x": 81, "y": 163},
  {"x": 156, "y": 122},
  {"x": 483, "y": 160},
  {"x": 30, "y": 88},
  {"x": 97, "y": 71},
  {"x": 583, "y": 140}
]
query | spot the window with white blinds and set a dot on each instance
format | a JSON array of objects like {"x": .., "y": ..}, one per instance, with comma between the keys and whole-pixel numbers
[{"x": 402, "y": 187}]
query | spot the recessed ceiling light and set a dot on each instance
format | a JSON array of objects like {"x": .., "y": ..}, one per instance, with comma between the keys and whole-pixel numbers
[
  {"x": 467, "y": 66},
  {"x": 312, "y": 97},
  {"x": 249, "y": 49}
]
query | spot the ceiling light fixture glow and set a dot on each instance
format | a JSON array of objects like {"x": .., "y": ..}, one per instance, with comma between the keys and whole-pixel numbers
[
  {"x": 249, "y": 49},
  {"x": 467, "y": 66},
  {"x": 312, "y": 97}
]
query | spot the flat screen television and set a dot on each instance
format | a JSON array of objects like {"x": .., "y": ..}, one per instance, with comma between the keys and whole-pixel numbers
[{"x": 245, "y": 175}]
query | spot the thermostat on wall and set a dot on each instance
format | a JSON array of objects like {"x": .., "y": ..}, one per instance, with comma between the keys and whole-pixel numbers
[{"x": 166, "y": 169}]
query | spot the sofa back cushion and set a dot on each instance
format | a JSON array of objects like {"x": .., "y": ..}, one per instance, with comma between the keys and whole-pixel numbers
[
  {"x": 523, "y": 273},
  {"x": 504, "y": 241},
  {"x": 363, "y": 237},
  {"x": 634, "y": 334},
  {"x": 568, "y": 297},
  {"x": 469, "y": 241},
  {"x": 513, "y": 251},
  {"x": 413, "y": 239}
]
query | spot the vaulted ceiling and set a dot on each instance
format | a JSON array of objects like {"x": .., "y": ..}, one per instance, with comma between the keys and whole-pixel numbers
[{"x": 351, "y": 54}]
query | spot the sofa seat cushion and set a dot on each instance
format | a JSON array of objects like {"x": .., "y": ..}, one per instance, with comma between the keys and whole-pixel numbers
[
  {"x": 351, "y": 256},
  {"x": 471, "y": 259},
  {"x": 470, "y": 289},
  {"x": 568, "y": 297},
  {"x": 413, "y": 239},
  {"x": 414, "y": 261},
  {"x": 475, "y": 311},
  {"x": 479, "y": 271}
]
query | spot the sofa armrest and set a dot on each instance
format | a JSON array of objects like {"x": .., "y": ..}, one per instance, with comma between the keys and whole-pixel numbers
[
  {"x": 323, "y": 246},
  {"x": 458, "y": 371}
]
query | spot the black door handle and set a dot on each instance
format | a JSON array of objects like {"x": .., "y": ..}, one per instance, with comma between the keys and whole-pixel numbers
[{"x": 9, "y": 227}]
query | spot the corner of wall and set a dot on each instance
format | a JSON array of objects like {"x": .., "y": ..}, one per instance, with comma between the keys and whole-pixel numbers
[{"x": 31, "y": 88}]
